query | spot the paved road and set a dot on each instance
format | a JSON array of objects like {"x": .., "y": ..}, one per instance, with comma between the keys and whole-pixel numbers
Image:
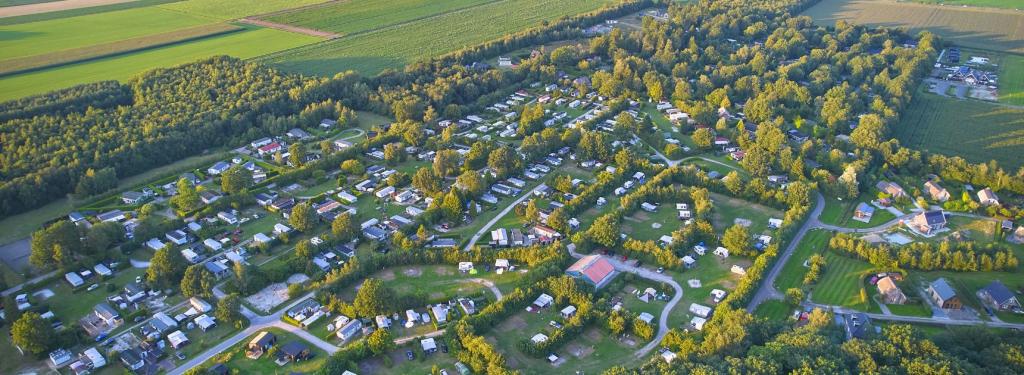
[
  {"x": 921, "y": 320},
  {"x": 510, "y": 207},
  {"x": 258, "y": 323},
  {"x": 663, "y": 326},
  {"x": 17, "y": 288},
  {"x": 403, "y": 340},
  {"x": 767, "y": 289}
]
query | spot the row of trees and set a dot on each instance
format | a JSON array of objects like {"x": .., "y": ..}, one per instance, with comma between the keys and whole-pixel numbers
[{"x": 952, "y": 256}]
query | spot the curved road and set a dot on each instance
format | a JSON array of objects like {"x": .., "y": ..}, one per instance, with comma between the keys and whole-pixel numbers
[
  {"x": 663, "y": 327},
  {"x": 510, "y": 207},
  {"x": 767, "y": 289}
]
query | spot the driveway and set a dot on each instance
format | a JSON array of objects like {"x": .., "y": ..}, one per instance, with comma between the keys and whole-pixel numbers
[{"x": 510, "y": 207}]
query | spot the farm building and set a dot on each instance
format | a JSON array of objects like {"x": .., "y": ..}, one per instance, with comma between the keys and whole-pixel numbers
[{"x": 594, "y": 269}]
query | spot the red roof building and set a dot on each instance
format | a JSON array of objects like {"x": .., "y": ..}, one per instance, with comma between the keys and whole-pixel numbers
[
  {"x": 594, "y": 269},
  {"x": 269, "y": 149}
]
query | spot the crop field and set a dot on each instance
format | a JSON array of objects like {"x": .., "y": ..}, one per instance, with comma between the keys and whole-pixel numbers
[
  {"x": 112, "y": 48},
  {"x": 1007, "y": 4},
  {"x": 38, "y": 38},
  {"x": 1011, "y": 80},
  {"x": 987, "y": 28},
  {"x": 365, "y": 15},
  {"x": 229, "y": 10},
  {"x": 977, "y": 131},
  {"x": 243, "y": 44},
  {"x": 10, "y": 3},
  {"x": 373, "y": 52}
]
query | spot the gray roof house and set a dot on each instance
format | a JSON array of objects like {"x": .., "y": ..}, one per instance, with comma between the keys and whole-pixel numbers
[
  {"x": 943, "y": 295},
  {"x": 998, "y": 295}
]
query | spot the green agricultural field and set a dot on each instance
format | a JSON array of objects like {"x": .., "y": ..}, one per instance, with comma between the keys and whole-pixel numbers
[
  {"x": 244, "y": 44},
  {"x": 373, "y": 52},
  {"x": 228, "y": 10},
  {"x": 38, "y": 38},
  {"x": 1006, "y": 4},
  {"x": 987, "y": 28},
  {"x": 792, "y": 276},
  {"x": 359, "y": 16},
  {"x": 1011, "y": 80},
  {"x": 842, "y": 282},
  {"x": 977, "y": 131}
]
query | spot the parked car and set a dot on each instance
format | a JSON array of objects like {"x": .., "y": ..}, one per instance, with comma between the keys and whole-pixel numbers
[
  {"x": 661, "y": 269},
  {"x": 410, "y": 355},
  {"x": 180, "y": 355},
  {"x": 444, "y": 349}
]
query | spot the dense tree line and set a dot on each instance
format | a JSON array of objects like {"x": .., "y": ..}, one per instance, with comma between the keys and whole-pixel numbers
[{"x": 926, "y": 256}]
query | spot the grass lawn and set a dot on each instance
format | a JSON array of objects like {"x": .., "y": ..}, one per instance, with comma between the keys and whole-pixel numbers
[
  {"x": 774, "y": 310},
  {"x": 265, "y": 224},
  {"x": 315, "y": 190},
  {"x": 69, "y": 306},
  {"x": 596, "y": 349},
  {"x": 975, "y": 130},
  {"x": 968, "y": 283},
  {"x": 727, "y": 209},
  {"x": 400, "y": 364},
  {"x": 792, "y": 276},
  {"x": 911, "y": 309},
  {"x": 235, "y": 359},
  {"x": 200, "y": 341},
  {"x": 842, "y": 282},
  {"x": 840, "y": 212},
  {"x": 640, "y": 225},
  {"x": 441, "y": 282},
  {"x": 393, "y": 47},
  {"x": 366, "y": 120},
  {"x": 713, "y": 273},
  {"x": 244, "y": 44}
]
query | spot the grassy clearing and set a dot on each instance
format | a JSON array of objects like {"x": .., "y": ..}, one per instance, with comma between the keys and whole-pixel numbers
[
  {"x": 596, "y": 349},
  {"x": 70, "y": 306},
  {"x": 911, "y": 309},
  {"x": 792, "y": 276},
  {"x": 234, "y": 358},
  {"x": 842, "y": 282},
  {"x": 119, "y": 47},
  {"x": 995, "y": 29},
  {"x": 840, "y": 213},
  {"x": 728, "y": 209},
  {"x": 977, "y": 131},
  {"x": 774, "y": 310},
  {"x": 244, "y": 44},
  {"x": 968, "y": 283},
  {"x": 228, "y": 10},
  {"x": 443, "y": 282},
  {"x": 358, "y": 16},
  {"x": 373, "y": 52},
  {"x": 713, "y": 273},
  {"x": 640, "y": 225},
  {"x": 43, "y": 37}
]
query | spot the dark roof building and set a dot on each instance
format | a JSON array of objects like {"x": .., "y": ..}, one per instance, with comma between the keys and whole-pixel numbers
[{"x": 999, "y": 296}]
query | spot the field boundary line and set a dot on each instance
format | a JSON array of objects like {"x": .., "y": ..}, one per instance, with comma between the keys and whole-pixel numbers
[{"x": 289, "y": 28}]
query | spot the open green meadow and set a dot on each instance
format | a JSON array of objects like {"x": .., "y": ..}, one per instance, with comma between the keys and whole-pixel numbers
[
  {"x": 728, "y": 209},
  {"x": 38, "y": 38},
  {"x": 977, "y": 131},
  {"x": 774, "y": 310},
  {"x": 10, "y": 3},
  {"x": 243, "y": 44},
  {"x": 373, "y": 52},
  {"x": 358, "y": 16},
  {"x": 987, "y": 28}
]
